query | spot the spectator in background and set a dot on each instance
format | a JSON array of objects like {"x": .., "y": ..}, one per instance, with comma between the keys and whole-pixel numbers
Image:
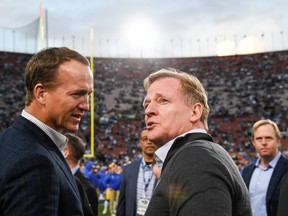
[
  {"x": 263, "y": 177},
  {"x": 87, "y": 169},
  {"x": 102, "y": 188},
  {"x": 73, "y": 153},
  {"x": 107, "y": 189},
  {"x": 197, "y": 176},
  {"x": 112, "y": 182},
  {"x": 94, "y": 177},
  {"x": 137, "y": 181},
  {"x": 35, "y": 178}
]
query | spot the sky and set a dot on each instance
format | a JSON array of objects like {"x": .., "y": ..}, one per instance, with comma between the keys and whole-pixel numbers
[{"x": 147, "y": 28}]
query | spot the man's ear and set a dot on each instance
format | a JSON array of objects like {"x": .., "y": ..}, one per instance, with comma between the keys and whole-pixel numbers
[
  {"x": 39, "y": 93},
  {"x": 196, "y": 112},
  {"x": 66, "y": 153}
]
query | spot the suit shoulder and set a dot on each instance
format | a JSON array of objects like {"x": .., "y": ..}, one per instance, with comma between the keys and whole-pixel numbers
[
  {"x": 133, "y": 164},
  {"x": 84, "y": 180}
]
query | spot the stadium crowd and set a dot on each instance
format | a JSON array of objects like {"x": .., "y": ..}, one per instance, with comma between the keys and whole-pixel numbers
[{"x": 241, "y": 90}]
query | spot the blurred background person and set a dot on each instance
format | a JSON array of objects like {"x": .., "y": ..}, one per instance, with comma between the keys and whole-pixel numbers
[
  {"x": 73, "y": 152},
  {"x": 102, "y": 188},
  {"x": 94, "y": 177},
  {"x": 87, "y": 170},
  {"x": 263, "y": 177},
  {"x": 112, "y": 182},
  {"x": 138, "y": 181}
]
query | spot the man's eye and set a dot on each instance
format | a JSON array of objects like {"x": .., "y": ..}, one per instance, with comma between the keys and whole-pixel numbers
[
  {"x": 258, "y": 139},
  {"x": 163, "y": 100},
  {"x": 76, "y": 95}
]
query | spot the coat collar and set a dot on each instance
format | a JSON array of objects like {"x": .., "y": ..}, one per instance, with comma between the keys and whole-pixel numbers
[{"x": 181, "y": 141}]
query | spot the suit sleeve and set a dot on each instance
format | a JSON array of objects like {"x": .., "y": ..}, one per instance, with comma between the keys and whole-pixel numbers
[
  {"x": 122, "y": 196},
  {"x": 31, "y": 187},
  {"x": 283, "y": 197},
  {"x": 93, "y": 199},
  {"x": 87, "y": 210}
]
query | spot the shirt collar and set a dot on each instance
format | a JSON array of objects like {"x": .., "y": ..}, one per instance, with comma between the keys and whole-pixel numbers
[
  {"x": 58, "y": 138},
  {"x": 74, "y": 169},
  {"x": 162, "y": 152},
  {"x": 272, "y": 163}
]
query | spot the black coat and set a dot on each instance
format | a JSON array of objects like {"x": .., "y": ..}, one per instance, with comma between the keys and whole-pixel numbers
[
  {"x": 90, "y": 191},
  {"x": 199, "y": 178}
]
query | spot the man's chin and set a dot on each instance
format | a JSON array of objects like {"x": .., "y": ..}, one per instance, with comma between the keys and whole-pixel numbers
[{"x": 73, "y": 128}]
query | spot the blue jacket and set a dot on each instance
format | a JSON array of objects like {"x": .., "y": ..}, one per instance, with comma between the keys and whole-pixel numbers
[
  {"x": 128, "y": 189},
  {"x": 113, "y": 180},
  {"x": 274, "y": 184}
]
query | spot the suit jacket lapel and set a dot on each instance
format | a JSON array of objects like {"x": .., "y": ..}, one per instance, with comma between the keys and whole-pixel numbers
[
  {"x": 276, "y": 176},
  {"x": 248, "y": 174},
  {"x": 135, "y": 170},
  {"x": 43, "y": 139},
  {"x": 179, "y": 142}
]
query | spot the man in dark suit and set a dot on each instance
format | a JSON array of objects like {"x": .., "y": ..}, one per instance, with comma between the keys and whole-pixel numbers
[
  {"x": 198, "y": 176},
  {"x": 87, "y": 211},
  {"x": 136, "y": 187},
  {"x": 35, "y": 178},
  {"x": 73, "y": 153},
  {"x": 263, "y": 177},
  {"x": 283, "y": 197}
]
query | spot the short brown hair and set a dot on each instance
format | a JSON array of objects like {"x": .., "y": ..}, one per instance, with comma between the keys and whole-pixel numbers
[
  {"x": 76, "y": 146},
  {"x": 43, "y": 66}
]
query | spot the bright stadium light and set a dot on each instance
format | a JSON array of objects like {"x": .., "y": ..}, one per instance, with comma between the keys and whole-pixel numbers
[
  {"x": 140, "y": 32},
  {"x": 250, "y": 45},
  {"x": 226, "y": 48}
]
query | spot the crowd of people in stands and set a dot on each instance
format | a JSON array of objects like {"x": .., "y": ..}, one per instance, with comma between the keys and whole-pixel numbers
[{"x": 241, "y": 90}]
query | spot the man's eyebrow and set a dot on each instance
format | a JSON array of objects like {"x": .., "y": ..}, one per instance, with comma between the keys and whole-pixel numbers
[
  {"x": 156, "y": 96},
  {"x": 79, "y": 91}
]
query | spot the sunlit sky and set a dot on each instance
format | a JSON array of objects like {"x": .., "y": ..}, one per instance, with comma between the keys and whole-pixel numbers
[{"x": 153, "y": 28}]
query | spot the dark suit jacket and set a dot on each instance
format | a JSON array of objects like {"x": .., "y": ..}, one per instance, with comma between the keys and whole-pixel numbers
[
  {"x": 84, "y": 199},
  {"x": 128, "y": 189},
  {"x": 283, "y": 197},
  {"x": 90, "y": 191},
  {"x": 199, "y": 178},
  {"x": 34, "y": 178},
  {"x": 274, "y": 184}
]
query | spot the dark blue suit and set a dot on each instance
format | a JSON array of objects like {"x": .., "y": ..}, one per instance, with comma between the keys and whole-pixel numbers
[
  {"x": 274, "y": 184},
  {"x": 34, "y": 178},
  {"x": 127, "y": 197},
  {"x": 128, "y": 188}
]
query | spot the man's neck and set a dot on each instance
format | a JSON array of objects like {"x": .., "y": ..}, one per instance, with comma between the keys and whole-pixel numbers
[
  {"x": 148, "y": 158},
  {"x": 264, "y": 161},
  {"x": 71, "y": 164}
]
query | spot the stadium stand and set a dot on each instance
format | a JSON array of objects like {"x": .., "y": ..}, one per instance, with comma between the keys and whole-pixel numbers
[{"x": 241, "y": 90}]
